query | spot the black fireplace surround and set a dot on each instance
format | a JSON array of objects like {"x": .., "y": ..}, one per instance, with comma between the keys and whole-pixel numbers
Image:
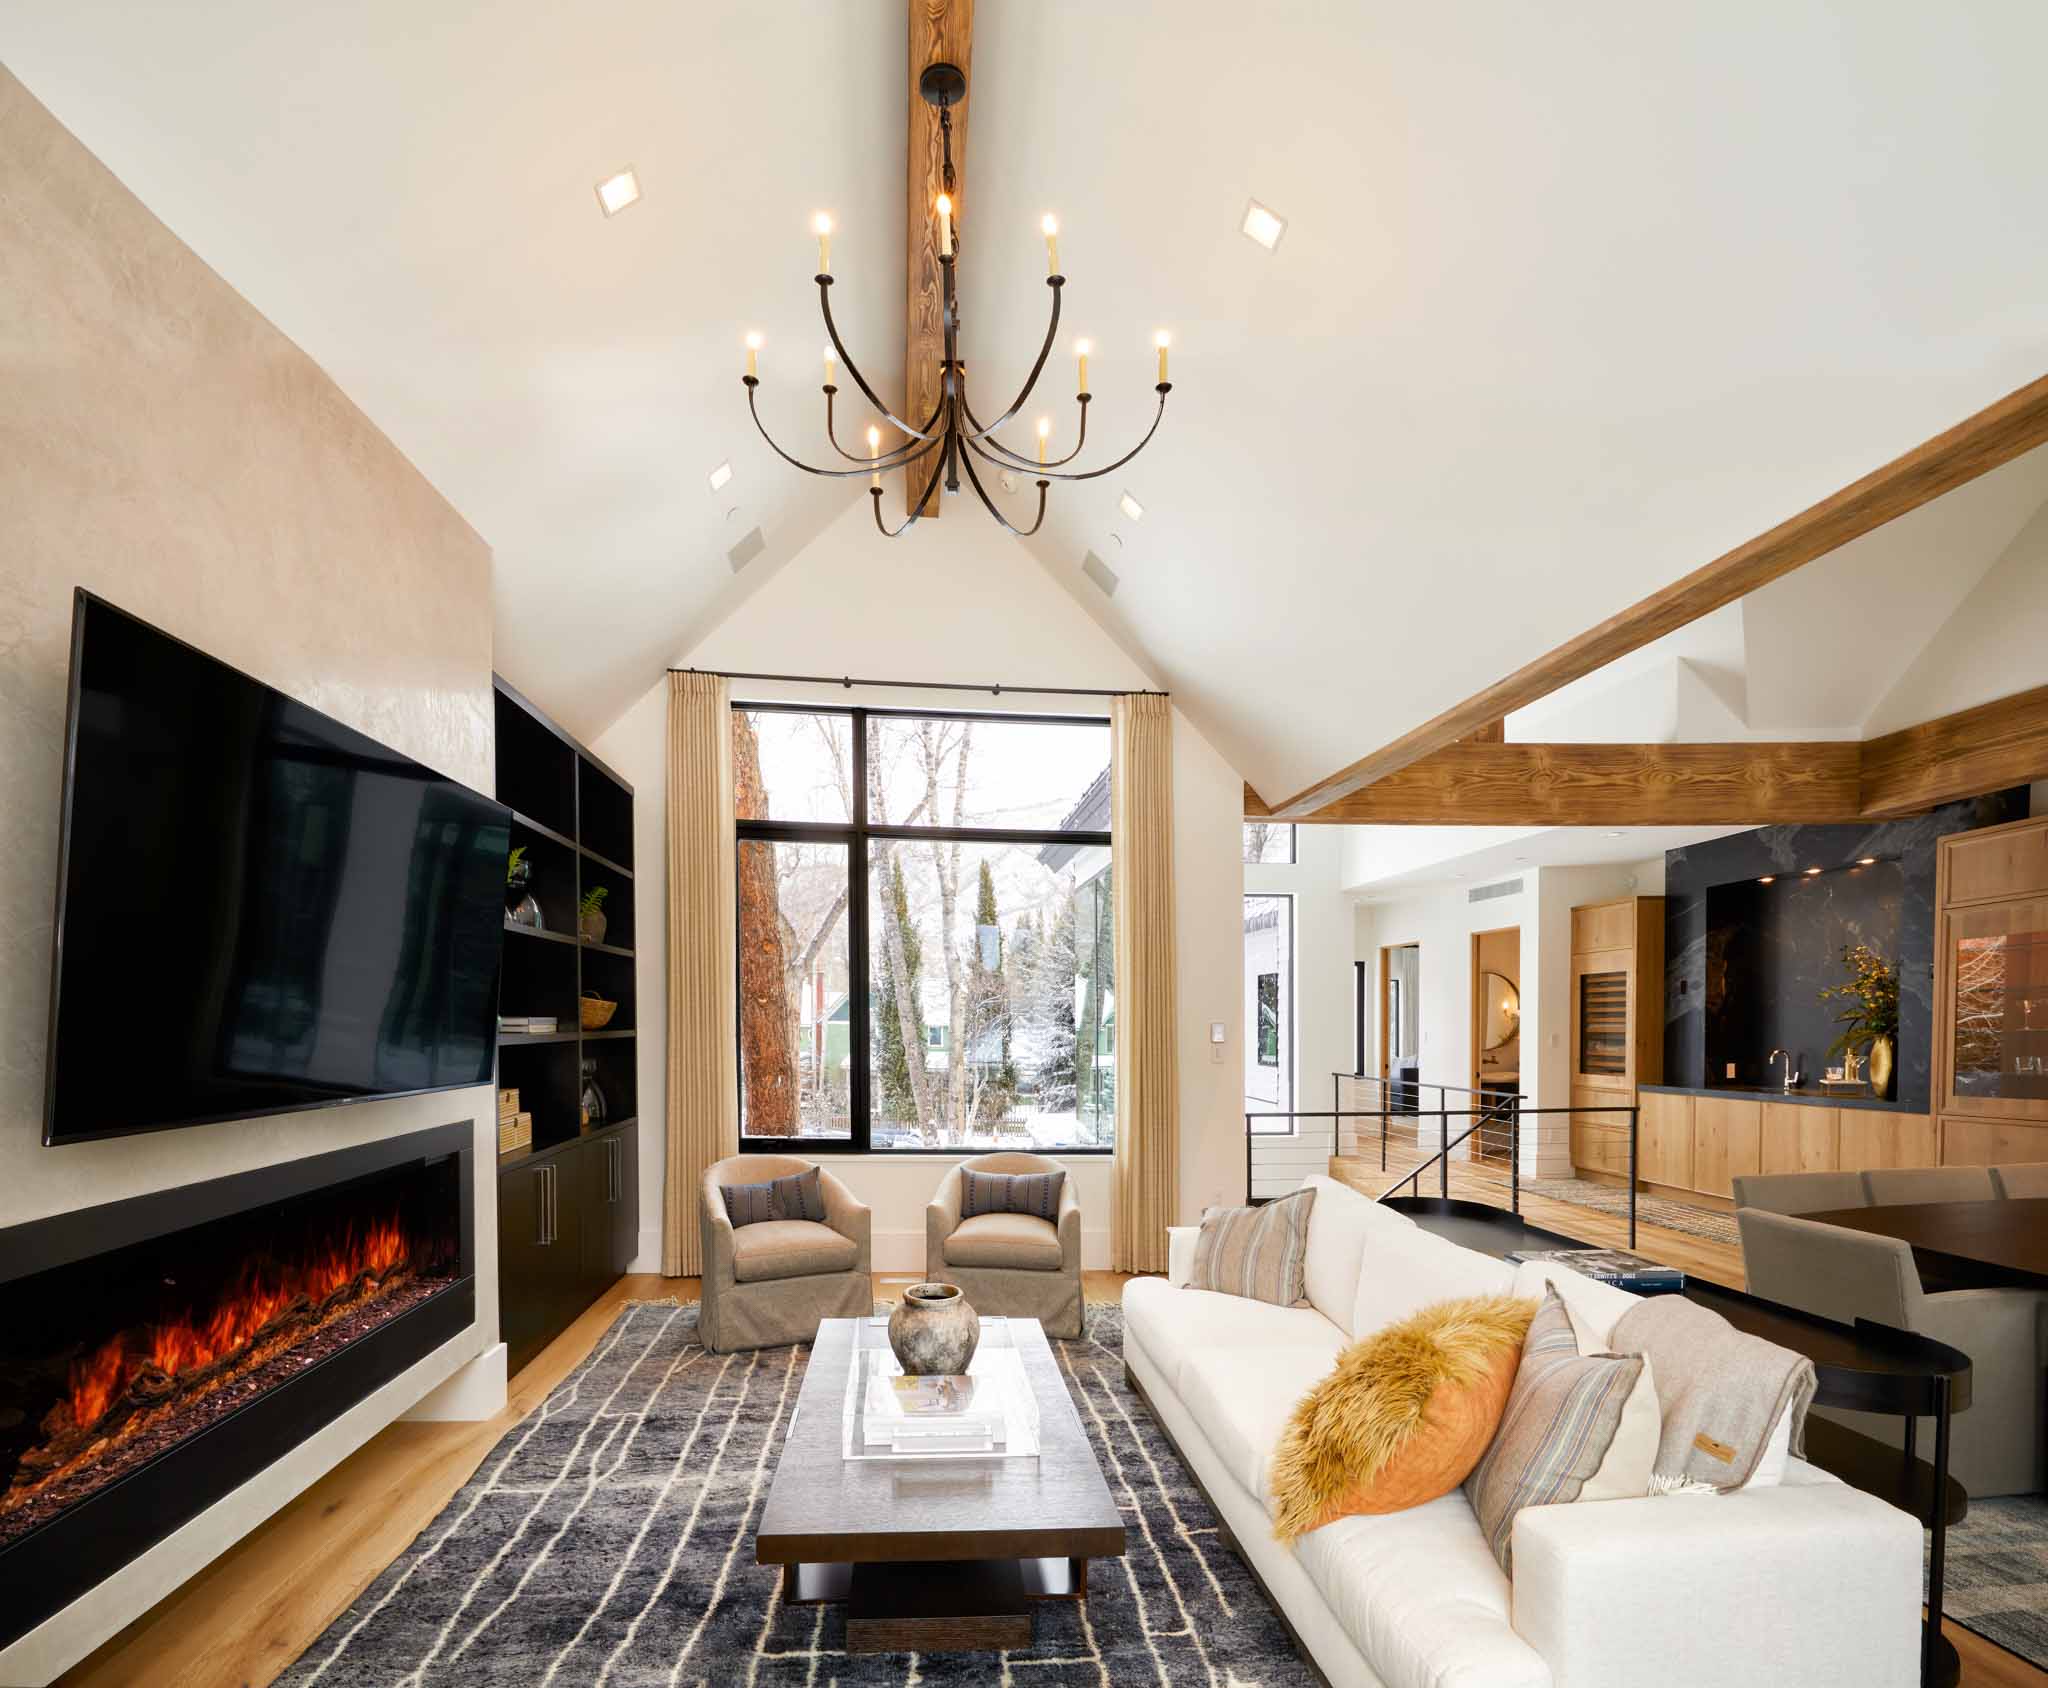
[{"x": 157, "y": 1353}]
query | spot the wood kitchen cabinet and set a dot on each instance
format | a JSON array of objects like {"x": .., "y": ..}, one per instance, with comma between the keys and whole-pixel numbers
[
  {"x": 1617, "y": 1023},
  {"x": 1727, "y": 1142},
  {"x": 1872, "y": 1137},
  {"x": 1801, "y": 1139}
]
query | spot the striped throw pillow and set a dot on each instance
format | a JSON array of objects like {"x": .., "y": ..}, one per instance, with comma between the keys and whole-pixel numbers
[
  {"x": 1255, "y": 1252},
  {"x": 797, "y": 1196},
  {"x": 1562, "y": 1417},
  {"x": 1036, "y": 1193}
]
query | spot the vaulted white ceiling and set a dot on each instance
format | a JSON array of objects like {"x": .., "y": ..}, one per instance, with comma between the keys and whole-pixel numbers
[{"x": 1571, "y": 298}]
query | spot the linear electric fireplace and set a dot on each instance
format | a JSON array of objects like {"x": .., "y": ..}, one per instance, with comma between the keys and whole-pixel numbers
[{"x": 157, "y": 1353}]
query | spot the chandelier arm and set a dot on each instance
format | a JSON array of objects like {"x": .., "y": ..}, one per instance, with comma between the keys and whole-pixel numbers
[
  {"x": 871, "y": 465},
  {"x": 859, "y": 380},
  {"x": 1057, "y": 283},
  {"x": 883, "y": 459},
  {"x": 1108, "y": 468},
  {"x": 988, "y": 504},
  {"x": 923, "y": 498},
  {"x": 1017, "y": 459}
]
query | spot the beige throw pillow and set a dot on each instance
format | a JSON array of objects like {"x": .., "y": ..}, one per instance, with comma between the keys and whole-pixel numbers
[{"x": 1255, "y": 1252}]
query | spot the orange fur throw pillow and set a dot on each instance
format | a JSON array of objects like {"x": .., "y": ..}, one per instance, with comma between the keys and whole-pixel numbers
[{"x": 1403, "y": 1417}]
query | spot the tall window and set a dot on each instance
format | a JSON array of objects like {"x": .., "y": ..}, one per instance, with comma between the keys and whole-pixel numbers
[
  {"x": 1269, "y": 1009},
  {"x": 925, "y": 948}
]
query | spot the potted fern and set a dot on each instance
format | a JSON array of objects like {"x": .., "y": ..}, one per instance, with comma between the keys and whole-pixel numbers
[
  {"x": 1872, "y": 992},
  {"x": 590, "y": 914}
]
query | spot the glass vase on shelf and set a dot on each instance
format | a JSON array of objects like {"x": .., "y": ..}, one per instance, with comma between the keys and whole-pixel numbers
[
  {"x": 521, "y": 907},
  {"x": 596, "y": 1110}
]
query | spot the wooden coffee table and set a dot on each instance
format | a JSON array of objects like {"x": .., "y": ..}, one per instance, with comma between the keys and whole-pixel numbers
[{"x": 932, "y": 1555}]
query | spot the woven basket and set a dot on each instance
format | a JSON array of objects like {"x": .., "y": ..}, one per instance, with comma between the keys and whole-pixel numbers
[{"x": 596, "y": 1012}]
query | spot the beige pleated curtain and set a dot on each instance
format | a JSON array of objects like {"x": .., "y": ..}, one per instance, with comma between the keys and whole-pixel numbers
[
  {"x": 703, "y": 1034},
  {"x": 1146, "y": 1196}
]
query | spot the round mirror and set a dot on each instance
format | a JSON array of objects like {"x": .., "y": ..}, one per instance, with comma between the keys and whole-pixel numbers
[{"x": 1503, "y": 1011}]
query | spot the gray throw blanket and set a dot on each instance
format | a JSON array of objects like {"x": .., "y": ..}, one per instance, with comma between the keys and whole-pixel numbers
[{"x": 1721, "y": 1392}]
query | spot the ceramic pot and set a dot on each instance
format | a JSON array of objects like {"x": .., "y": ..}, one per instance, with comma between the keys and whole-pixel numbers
[
  {"x": 590, "y": 922},
  {"x": 934, "y": 1331},
  {"x": 1881, "y": 1066}
]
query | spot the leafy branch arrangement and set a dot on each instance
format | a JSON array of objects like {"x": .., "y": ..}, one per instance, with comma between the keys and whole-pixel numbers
[
  {"x": 1872, "y": 990},
  {"x": 514, "y": 863},
  {"x": 593, "y": 899}
]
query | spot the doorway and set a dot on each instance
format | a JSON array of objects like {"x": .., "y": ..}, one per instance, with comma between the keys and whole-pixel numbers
[
  {"x": 1496, "y": 1041},
  {"x": 1401, "y": 1025}
]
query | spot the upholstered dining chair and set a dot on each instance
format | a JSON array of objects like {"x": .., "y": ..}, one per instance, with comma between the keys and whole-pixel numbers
[
  {"x": 1020, "y": 1265},
  {"x": 770, "y": 1282},
  {"x": 1996, "y": 1446},
  {"x": 1800, "y": 1192},
  {"x": 1896, "y": 1186},
  {"x": 2028, "y": 1179}
]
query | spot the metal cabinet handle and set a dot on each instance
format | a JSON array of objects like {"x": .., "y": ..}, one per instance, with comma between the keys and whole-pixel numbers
[
  {"x": 554, "y": 1204},
  {"x": 540, "y": 1208}
]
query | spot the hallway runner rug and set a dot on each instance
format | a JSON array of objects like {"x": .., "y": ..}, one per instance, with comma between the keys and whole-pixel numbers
[{"x": 608, "y": 1540}]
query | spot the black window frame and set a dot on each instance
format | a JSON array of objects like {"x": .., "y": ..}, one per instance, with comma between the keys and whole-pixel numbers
[{"x": 855, "y": 833}]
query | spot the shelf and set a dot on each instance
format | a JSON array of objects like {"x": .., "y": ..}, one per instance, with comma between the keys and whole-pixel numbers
[
  {"x": 606, "y": 949},
  {"x": 515, "y": 1040},
  {"x": 545, "y": 831},
  {"x": 545, "y": 937},
  {"x": 624, "y": 1031},
  {"x": 606, "y": 862}
]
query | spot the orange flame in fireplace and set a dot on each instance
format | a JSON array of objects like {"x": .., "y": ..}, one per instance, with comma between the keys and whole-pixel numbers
[{"x": 258, "y": 1297}]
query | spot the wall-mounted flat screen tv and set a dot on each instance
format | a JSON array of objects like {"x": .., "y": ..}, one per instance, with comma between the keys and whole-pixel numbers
[{"x": 259, "y": 910}]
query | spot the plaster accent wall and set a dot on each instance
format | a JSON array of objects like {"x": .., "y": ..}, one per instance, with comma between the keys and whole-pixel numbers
[
  {"x": 956, "y": 600},
  {"x": 165, "y": 446}
]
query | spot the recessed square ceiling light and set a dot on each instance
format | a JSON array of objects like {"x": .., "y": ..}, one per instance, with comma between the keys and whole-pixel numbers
[
  {"x": 1131, "y": 507},
  {"x": 1263, "y": 225},
  {"x": 615, "y": 193},
  {"x": 720, "y": 475}
]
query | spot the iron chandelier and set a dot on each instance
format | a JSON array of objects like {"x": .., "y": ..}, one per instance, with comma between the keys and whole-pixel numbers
[{"x": 953, "y": 436}]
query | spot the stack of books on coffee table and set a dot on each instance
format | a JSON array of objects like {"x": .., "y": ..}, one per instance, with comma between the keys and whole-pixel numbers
[{"x": 988, "y": 1412}]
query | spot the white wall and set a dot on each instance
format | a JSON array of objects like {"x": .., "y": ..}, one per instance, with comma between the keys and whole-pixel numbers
[
  {"x": 162, "y": 445},
  {"x": 957, "y": 600}
]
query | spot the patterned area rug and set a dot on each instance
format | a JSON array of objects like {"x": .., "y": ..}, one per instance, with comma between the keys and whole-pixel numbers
[
  {"x": 1708, "y": 1223},
  {"x": 608, "y": 1540},
  {"x": 1996, "y": 1580}
]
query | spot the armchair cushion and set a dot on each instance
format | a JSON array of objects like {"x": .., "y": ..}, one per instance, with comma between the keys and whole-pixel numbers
[
  {"x": 1016, "y": 1240},
  {"x": 798, "y": 1196},
  {"x": 789, "y": 1248},
  {"x": 1035, "y": 1193}
]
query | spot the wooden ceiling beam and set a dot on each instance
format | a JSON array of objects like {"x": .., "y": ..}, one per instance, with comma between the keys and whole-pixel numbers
[
  {"x": 1475, "y": 784},
  {"x": 1994, "y": 436},
  {"x": 1254, "y": 805},
  {"x": 941, "y": 32},
  {"x": 1966, "y": 754}
]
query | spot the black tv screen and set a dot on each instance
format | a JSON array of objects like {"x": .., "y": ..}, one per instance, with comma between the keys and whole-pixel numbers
[{"x": 259, "y": 910}]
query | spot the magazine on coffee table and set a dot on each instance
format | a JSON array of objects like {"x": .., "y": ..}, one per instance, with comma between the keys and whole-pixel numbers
[{"x": 988, "y": 1413}]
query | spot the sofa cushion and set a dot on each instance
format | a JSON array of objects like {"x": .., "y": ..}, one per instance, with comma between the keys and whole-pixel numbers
[
  {"x": 789, "y": 1248},
  {"x": 1403, "y": 1416},
  {"x": 1403, "y": 1271},
  {"x": 797, "y": 1196},
  {"x": 1243, "y": 1406},
  {"x": 1340, "y": 1228},
  {"x": 1421, "y": 1597},
  {"x": 1176, "y": 1324},
  {"x": 1019, "y": 1241},
  {"x": 1595, "y": 1308},
  {"x": 1035, "y": 1193},
  {"x": 1255, "y": 1251}
]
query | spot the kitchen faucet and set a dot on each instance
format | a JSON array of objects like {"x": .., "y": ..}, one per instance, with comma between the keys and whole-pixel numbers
[{"x": 1791, "y": 1078}]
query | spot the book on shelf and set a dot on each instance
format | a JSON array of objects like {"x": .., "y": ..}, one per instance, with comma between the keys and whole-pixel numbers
[
  {"x": 527, "y": 1022},
  {"x": 1614, "y": 1266}
]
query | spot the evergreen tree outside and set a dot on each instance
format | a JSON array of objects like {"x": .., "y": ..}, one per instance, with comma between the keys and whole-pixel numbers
[
  {"x": 1057, "y": 970},
  {"x": 988, "y": 1009}
]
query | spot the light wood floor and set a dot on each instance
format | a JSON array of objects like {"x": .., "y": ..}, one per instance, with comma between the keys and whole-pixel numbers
[{"x": 247, "y": 1615}]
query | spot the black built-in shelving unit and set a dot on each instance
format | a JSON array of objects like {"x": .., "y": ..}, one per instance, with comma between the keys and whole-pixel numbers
[{"x": 568, "y": 1204}]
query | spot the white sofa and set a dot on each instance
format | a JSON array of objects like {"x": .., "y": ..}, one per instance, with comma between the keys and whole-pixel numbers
[{"x": 1804, "y": 1582}]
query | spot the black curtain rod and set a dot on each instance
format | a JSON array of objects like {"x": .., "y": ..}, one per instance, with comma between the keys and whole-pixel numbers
[{"x": 995, "y": 690}]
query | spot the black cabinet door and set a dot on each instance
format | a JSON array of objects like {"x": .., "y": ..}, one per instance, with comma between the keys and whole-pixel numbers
[
  {"x": 525, "y": 1263},
  {"x": 626, "y": 1209},
  {"x": 568, "y": 1282}
]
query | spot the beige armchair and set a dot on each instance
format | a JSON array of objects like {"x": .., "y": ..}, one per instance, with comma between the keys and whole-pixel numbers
[
  {"x": 2021, "y": 1181},
  {"x": 1800, "y": 1192},
  {"x": 770, "y": 1283},
  {"x": 1846, "y": 1275},
  {"x": 1894, "y": 1186},
  {"x": 1013, "y": 1264}
]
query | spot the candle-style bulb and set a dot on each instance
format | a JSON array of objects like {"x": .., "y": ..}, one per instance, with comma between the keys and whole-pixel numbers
[
  {"x": 1162, "y": 340},
  {"x": 1081, "y": 350},
  {"x": 830, "y": 356},
  {"x": 945, "y": 211},
  {"x": 1051, "y": 225},
  {"x": 754, "y": 344},
  {"x": 1044, "y": 432},
  {"x": 874, "y": 451},
  {"x": 821, "y": 224}
]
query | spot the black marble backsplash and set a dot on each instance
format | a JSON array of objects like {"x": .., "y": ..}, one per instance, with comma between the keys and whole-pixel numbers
[{"x": 1745, "y": 962}]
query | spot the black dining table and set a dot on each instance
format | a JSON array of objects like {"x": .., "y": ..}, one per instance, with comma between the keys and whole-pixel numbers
[{"x": 1982, "y": 1243}]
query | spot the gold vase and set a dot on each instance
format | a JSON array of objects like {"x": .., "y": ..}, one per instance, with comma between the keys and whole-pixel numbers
[{"x": 1881, "y": 1066}]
